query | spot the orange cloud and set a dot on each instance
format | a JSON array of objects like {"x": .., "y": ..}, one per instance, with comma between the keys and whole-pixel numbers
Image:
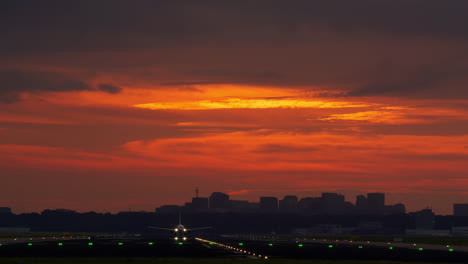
[
  {"x": 248, "y": 103},
  {"x": 274, "y": 150}
]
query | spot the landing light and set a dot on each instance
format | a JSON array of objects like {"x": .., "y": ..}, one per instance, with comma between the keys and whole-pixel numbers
[
  {"x": 175, "y": 230},
  {"x": 185, "y": 238},
  {"x": 176, "y": 238},
  {"x": 185, "y": 230}
]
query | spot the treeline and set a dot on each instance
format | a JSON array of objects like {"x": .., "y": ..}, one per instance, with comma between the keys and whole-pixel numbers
[{"x": 221, "y": 222}]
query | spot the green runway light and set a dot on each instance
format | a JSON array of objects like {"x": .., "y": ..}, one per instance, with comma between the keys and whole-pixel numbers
[
  {"x": 300, "y": 245},
  {"x": 270, "y": 244},
  {"x": 180, "y": 243},
  {"x": 241, "y": 244},
  {"x": 29, "y": 244},
  {"x": 90, "y": 243},
  {"x": 150, "y": 243},
  {"x": 391, "y": 248},
  {"x": 60, "y": 244},
  {"x": 211, "y": 243},
  {"x": 450, "y": 249},
  {"x": 330, "y": 246},
  {"x": 360, "y": 246},
  {"x": 120, "y": 244},
  {"x": 420, "y": 249}
]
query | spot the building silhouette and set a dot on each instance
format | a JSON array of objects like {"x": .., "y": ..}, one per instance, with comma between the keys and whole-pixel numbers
[
  {"x": 376, "y": 203},
  {"x": 288, "y": 203},
  {"x": 244, "y": 206},
  {"x": 460, "y": 209},
  {"x": 424, "y": 219},
  {"x": 362, "y": 206},
  {"x": 311, "y": 205},
  {"x": 199, "y": 203},
  {"x": 333, "y": 203},
  {"x": 219, "y": 200},
  {"x": 5, "y": 210},
  {"x": 268, "y": 203}
]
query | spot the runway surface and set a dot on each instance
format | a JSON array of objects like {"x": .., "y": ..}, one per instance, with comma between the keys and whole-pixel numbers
[{"x": 219, "y": 247}]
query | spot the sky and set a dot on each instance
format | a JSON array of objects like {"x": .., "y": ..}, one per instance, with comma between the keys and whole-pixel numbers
[{"x": 117, "y": 105}]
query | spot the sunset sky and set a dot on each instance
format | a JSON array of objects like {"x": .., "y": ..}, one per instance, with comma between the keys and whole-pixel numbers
[{"x": 111, "y": 105}]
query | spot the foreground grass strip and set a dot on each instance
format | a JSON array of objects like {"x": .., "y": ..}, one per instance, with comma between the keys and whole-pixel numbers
[{"x": 189, "y": 261}]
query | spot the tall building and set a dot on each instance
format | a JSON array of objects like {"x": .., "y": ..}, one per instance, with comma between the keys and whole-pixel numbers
[
  {"x": 312, "y": 205},
  {"x": 288, "y": 203},
  {"x": 240, "y": 206},
  {"x": 199, "y": 203},
  {"x": 376, "y": 203},
  {"x": 361, "y": 203},
  {"x": 219, "y": 200},
  {"x": 396, "y": 209},
  {"x": 460, "y": 209},
  {"x": 333, "y": 203},
  {"x": 424, "y": 219},
  {"x": 268, "y": 203},
  {"x": 5, "y": 210}
]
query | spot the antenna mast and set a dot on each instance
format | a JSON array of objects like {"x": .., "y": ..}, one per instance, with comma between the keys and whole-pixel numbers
[{"x": 196, "y": 192}]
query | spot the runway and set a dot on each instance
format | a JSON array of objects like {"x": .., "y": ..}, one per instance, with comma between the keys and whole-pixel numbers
[
  {"x": 112, "y": 248},
  {"x": 219, "y": 247},
  {"x": 291, "y": 249}
]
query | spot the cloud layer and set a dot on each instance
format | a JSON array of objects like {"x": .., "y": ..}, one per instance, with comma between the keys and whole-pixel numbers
[
  {"x": 15, "y": 82},
  {"x": 295, "y": 97}
]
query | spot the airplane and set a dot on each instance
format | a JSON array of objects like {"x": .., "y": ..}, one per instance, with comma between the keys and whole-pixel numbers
[{"x": 180, "y": 232}]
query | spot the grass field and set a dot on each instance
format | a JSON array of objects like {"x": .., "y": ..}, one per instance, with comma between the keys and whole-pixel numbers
[{"x": 187, "y": 261}]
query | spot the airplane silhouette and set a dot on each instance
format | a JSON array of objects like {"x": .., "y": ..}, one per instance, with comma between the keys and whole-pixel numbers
[{"x": 180, "y": 232}]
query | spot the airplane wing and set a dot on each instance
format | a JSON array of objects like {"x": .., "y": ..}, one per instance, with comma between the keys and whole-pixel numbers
[
  {"x": 161, "y": 228},
  {"x": 198, "y": 228}
]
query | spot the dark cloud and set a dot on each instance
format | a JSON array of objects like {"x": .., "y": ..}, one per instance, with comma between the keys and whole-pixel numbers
[
  {"x": 305, "y": 43},
  {"x": 225, "y": 77},
  {"x": 254, "y": 75},
  {"x": 108, "y": 88},
  {"x": 117, "y": 24},
  {"x": 443, "y": 79},
  {"x": 188, "y": 83},
  {"x": 15, "y": 82}
]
